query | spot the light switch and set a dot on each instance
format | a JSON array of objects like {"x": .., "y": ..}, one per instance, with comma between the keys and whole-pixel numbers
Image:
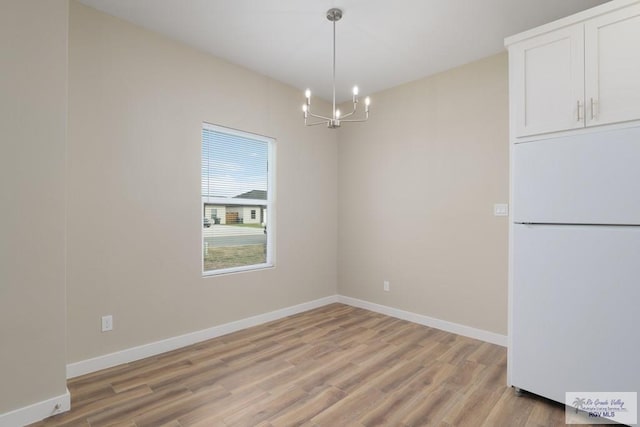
[{"x": 501, "y": 209}]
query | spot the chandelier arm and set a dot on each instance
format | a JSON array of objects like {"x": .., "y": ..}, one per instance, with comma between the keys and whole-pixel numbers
[
  {"x": 318, "y": 117},
  {"x": 351, "y": 113},
  {"x": 316, "y": 123},
  {"x": 356, "y": 120}
]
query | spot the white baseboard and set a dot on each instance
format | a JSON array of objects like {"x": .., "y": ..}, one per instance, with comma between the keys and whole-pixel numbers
[
  {"x": 421, "y": 319},
  {"x": 158, "y": 347},
  {"x": 37, "y": 411}
]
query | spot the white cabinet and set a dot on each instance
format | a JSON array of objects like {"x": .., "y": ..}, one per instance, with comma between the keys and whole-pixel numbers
[
  {"x": 548, "y": 79},
  {"x": 578, "y": 75},
  {"x": 612, "y": 67}
]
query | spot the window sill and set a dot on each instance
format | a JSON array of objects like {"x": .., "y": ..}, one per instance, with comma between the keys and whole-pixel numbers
[{"x": 234, "y": 270}]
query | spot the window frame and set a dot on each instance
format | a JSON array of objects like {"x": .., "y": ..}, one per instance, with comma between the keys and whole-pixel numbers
[{"x": 269, "y": 203}]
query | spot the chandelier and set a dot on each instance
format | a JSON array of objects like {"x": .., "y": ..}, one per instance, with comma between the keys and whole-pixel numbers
[{"x": 336, "y": 118}]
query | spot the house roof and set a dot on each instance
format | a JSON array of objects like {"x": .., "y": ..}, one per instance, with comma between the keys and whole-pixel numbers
[{"x": 253, "y": 194}]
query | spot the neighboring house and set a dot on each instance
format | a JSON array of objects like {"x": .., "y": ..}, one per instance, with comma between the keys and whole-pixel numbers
[
  {"x": 239, "y": 214},
  {"x": 245, "y": 214},
  {"x": 216, "y": 213}
]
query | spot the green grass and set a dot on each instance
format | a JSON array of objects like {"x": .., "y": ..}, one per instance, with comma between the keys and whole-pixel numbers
[{"x": 234, "y": 256}]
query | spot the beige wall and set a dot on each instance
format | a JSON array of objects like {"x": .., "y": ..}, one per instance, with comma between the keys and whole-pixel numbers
[
  {"x": 136, "y": 104},
  {"x": 439, "y": 145},
  {"x": 33, "y": 102}
]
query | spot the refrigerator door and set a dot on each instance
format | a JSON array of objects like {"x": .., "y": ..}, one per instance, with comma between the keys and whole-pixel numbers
[
  {"x": 575, "y": 316},
  {"x": 584, "y": 179}
]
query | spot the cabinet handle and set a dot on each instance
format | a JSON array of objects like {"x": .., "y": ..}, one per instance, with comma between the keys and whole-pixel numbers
[
  {"x": 593, "y": 109},
  {"x": 578, "y": 110}
]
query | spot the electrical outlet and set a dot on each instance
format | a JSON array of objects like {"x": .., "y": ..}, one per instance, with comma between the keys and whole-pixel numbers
[
  {"x": 107, "y": 323},
  {"x": 385, "y": 286}
]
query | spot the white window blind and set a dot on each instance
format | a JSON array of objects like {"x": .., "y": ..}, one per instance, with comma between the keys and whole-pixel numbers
[{"x": 237, "y": 191}]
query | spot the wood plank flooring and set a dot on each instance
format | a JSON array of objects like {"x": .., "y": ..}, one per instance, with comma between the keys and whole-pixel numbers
[{"x": 333, "y": 366}]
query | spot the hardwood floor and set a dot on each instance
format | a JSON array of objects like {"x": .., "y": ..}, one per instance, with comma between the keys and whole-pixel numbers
[{"x": 333, "y": 366}]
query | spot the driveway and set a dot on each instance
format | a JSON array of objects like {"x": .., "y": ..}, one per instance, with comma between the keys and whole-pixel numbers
[{"x": 230, "y": 235}]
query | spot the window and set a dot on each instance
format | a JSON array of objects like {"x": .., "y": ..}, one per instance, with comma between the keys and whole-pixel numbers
[{"x": 237, "y": 192}]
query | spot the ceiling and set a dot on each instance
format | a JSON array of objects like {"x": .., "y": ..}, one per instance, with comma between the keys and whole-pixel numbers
[{"x": 380, "y": 44}]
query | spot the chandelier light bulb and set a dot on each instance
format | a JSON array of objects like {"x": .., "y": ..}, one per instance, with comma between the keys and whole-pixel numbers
[
  {"x": 307, "y": 93},
  {"x": 337, "y": 114},
  {"x": 355, "y": 91},
  {"x": 304, "y": 107}
]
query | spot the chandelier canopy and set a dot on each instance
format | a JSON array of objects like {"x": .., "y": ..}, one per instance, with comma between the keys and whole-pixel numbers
[{"x": 336, "y": 118}]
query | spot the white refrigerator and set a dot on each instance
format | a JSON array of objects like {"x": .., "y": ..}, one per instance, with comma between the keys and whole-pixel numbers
[{"x": 575, "y": 267}]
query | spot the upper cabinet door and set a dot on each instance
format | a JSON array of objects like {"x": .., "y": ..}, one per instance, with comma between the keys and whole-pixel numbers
[
  {"x": 548, "y": 82},
  {"x": 612, "y": 67}
]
